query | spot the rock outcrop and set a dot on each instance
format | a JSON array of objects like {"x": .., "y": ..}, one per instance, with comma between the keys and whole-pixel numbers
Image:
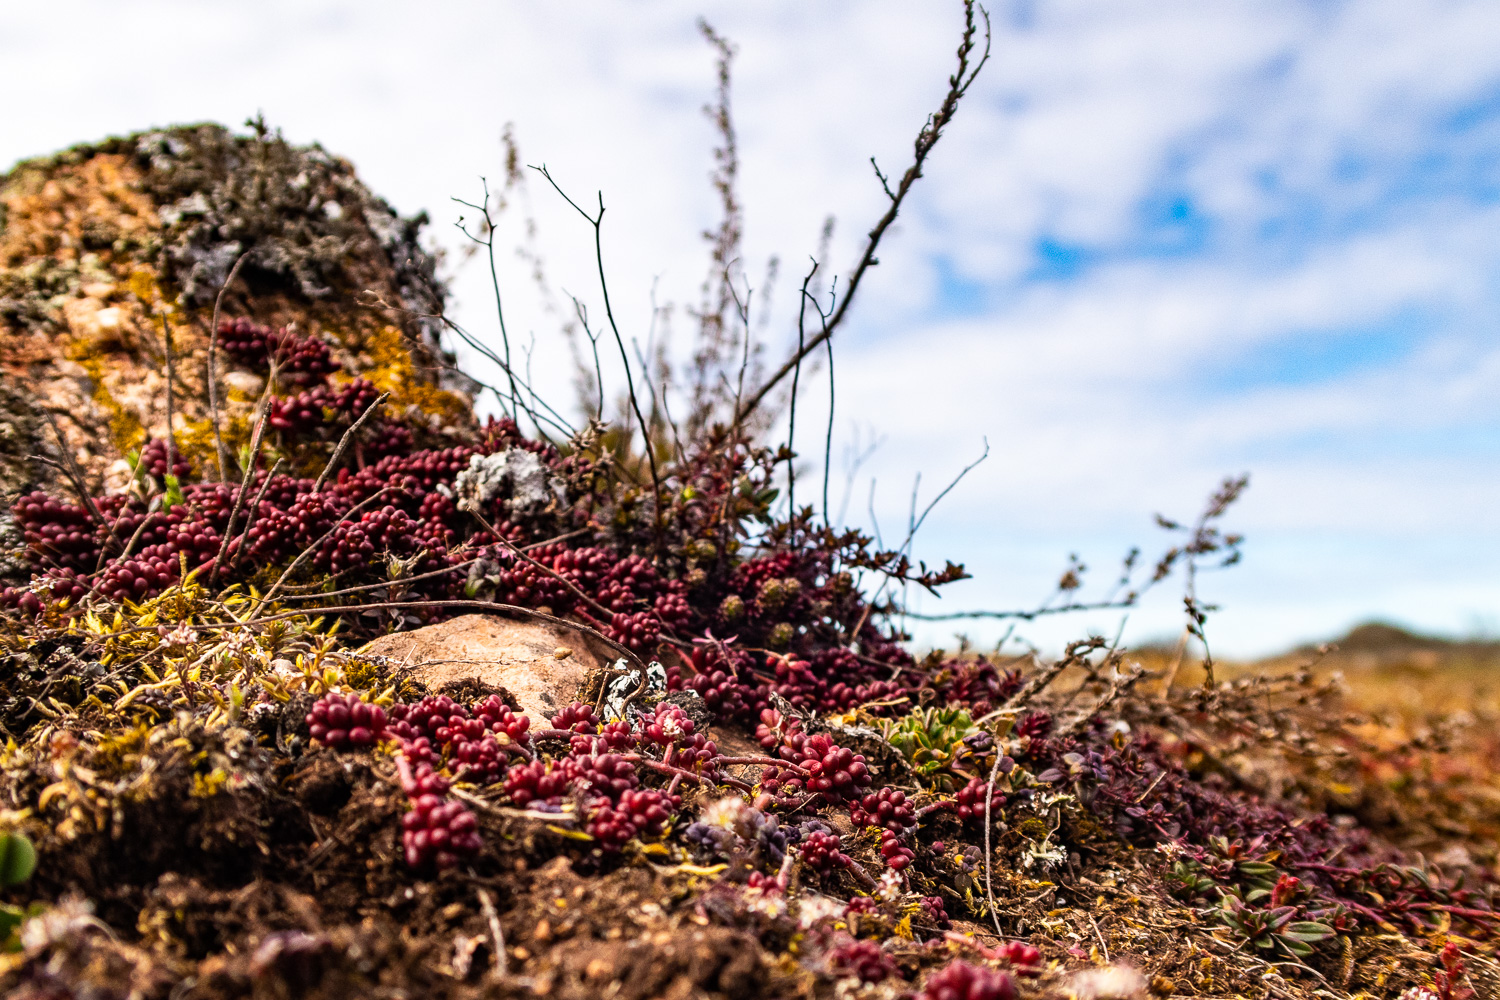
[{"x": 112, "y": 256}]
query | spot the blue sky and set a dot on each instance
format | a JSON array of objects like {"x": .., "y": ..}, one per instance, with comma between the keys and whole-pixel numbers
[{"x": 1164, "y": 242}]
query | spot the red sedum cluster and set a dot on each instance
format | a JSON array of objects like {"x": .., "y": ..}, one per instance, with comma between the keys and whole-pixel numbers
[
  {"x": 962, "y": 981},
  {"x": 346, "y": 722},
  {"x": 437, "y": 832}
]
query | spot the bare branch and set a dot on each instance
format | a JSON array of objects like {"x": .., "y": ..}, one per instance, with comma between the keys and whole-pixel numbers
[
  {"x": 343, "y": 444},
  {"x": 958, "y": 86},
  {"x": 597, "y": 221},
  {"x": 213, "y": 370}
]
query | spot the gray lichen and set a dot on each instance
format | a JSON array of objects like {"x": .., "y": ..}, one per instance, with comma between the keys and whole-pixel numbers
[{"x": 515, "y": 474}]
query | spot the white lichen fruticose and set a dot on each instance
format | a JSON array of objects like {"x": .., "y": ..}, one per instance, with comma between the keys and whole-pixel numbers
[{"x": 515, "y": 473}]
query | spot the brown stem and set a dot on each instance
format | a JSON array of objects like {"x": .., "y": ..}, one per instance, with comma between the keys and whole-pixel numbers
[
  {"x": 260, "y": 495},
  {"x": 75, "y": 475},
  {"x": 213, "y": 371},
  {"x": 343, "y": 444},
  {"x": 263, "y": 412},
  {"x": 764, "y": 762},
  {"x": 958, "y": 85},
  {"x": 166, "y": 336}
]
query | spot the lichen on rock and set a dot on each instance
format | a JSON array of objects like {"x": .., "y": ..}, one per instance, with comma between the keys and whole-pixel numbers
[{"x": 112, "y": 255}]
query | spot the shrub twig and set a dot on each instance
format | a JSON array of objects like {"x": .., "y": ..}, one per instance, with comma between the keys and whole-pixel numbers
[{"x": 958, "y": 86}]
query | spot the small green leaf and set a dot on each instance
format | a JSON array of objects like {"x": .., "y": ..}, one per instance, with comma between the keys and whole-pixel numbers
[
  {"x": 17, "y": 859},
  {"x": 174, "y": 492},
  {"x": 10, "y": 919},
  {"x": 1308, "y": 930}
]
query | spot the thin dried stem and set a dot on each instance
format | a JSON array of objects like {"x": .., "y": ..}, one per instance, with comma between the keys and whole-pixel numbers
[
  {"x": 262, "y": 409},
  {"x": 958, "y": 86},
  {"x": 489, "y": 244},
  {"x": 213, "y": 371},
  {"x": 166, "y": 336},
  {"x": 343, "y": 444},
  {"x": 75, "y": 475},
  {"x": 597, "y": 221}
]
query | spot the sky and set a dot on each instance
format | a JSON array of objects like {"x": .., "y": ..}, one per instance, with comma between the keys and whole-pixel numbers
[{"x": 1162, "y": 243}]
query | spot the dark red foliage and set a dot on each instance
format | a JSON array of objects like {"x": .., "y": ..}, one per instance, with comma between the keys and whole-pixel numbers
[
  {"x": 153, "y": 459},
  {"x": 833, "y": 771},
  {"x": 60, "y": 533},
  {"x": 498, "y": 718},
  {"x": 1026, "y": 958},
  {"x": 482, "y": 761},
  {"x": 764, "y": 882},
  {"x": 935, "y": 912},
  {"x": 612, "y": 823},
  {"x": 302, "y": 360},
  {"x": 638, "y": 632},
  {"x": 865, "y": 960},
  {"x": 438, "y": 833},
  {"x": 1033, "y": 725},
  {"x": 820, "y": 852},
  {"x": 694, "y": 753},
  {"x": 607, "y": 773},
  {"x": 576, "y": 718},
  {"x": 356, "y": 541},
  {"x": 962, "y": 981},
  {"x": 775, "y": 729},
  {"x": 971, "y": 801},
  {"x": 887, "y": 807},
  {"x": 666, "y": 724},
  {"x": 422, "y": 718},
  {"x": 613, "y": 736},
  {"x": 897, "y": 857},
  {"x": 345, "y": 722},
  {"x": 539, "y": 782},
  {"x": 724, "y": 695},
  {"x": 979, "y": 686},
  {"x": 314, "y": 408}
]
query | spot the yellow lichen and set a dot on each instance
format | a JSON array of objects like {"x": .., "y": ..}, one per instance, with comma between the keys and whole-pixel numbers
[
  {"x": 143, "y": 285},
  {"x": 395, "y": 372},
  {"x": 208, "y": 785},
  {"x": 125, "y": 428},
  {"x": 195, "y": 442}
]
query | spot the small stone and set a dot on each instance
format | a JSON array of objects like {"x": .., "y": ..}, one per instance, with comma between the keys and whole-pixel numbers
[{"x": 513, "y": 652}]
